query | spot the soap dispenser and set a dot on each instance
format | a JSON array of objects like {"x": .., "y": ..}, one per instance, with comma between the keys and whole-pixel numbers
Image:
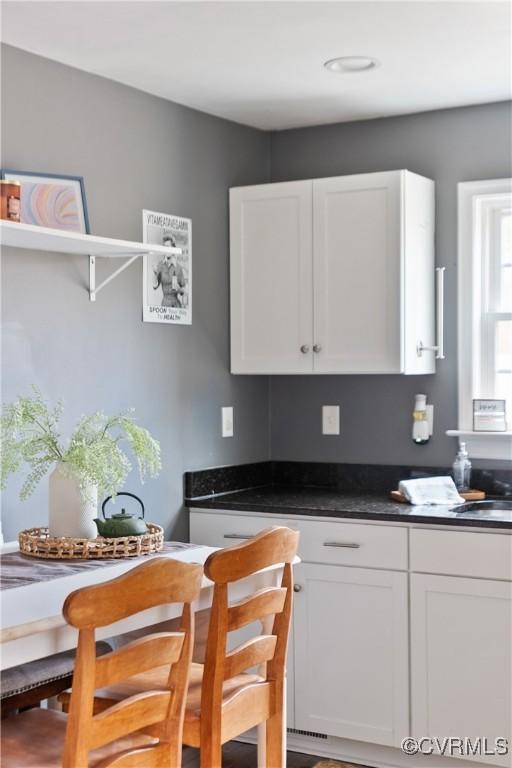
[
  {"x": 462, "y": 469},
  {"x": 420, "y": 426}
]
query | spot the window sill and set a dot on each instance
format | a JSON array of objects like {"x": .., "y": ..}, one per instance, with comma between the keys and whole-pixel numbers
[{"x": 485, "y": 445}]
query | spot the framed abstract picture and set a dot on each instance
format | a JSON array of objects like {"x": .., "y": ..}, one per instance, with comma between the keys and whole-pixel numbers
[{"x": 50, "y": 200}]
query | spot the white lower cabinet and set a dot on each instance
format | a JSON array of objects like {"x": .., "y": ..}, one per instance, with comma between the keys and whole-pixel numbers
[
  {"x": 398, "y": 631},
  {"x": 461, "y": 651},
  {"x": 351, "y": 653}
]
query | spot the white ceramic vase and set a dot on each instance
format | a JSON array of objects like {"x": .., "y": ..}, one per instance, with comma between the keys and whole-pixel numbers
[{"x": 71, "y": 512}]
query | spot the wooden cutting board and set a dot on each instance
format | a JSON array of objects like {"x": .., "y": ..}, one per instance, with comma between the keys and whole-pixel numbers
[{"x": 471, "y": 495}]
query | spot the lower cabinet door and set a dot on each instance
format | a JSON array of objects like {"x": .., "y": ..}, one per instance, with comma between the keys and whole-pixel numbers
[
  {"x": 351, "y": 653},
  {"x": 461, "y": 672}
]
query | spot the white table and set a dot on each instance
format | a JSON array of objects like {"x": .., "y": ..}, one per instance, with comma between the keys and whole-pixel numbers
[{"x": 33, "y": 626}]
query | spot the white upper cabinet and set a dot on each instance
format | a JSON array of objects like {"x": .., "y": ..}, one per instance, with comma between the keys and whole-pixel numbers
[{"x": 333, "y": 275}]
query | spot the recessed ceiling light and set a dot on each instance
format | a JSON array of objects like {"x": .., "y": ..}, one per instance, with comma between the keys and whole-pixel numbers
[{"x": 351, "y": 64}]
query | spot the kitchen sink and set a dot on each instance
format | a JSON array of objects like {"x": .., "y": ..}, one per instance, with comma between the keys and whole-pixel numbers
[{"x": 495, "y": 505}]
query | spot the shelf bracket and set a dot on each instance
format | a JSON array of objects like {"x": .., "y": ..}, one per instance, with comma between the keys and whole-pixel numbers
[{"x": 95, "y": 289}]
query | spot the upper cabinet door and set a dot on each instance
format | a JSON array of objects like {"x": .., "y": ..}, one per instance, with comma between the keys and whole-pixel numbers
[
  {"x": 357, "y": 273},
  {"x": 271, "y": 278}
]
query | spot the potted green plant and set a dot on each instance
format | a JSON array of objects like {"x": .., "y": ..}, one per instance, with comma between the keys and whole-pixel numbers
[{"x": 92, "y": 461}]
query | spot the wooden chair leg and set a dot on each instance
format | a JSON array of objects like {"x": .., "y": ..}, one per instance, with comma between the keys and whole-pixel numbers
[
  {"x": 262, "y": 745},
  {"x": 275, "y": 742},
  {"x": 210, "y": 754},
  {"x": 275, "y": 749},
  {"x": 176, "y": 756}
]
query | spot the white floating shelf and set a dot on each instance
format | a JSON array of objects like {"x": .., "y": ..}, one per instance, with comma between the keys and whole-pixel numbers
[
  {"x": 61, "y": 241},
  {"x": 36, "y": 238},
  {"x": 485, "y": 445},
  {"x": 472, "y": 433}
]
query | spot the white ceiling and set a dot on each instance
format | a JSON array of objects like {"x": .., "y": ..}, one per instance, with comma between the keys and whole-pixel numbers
[{"x": 260, "y": 63}]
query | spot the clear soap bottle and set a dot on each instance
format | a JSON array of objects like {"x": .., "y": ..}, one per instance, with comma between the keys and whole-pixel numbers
[{"x": 462, "y": 469}]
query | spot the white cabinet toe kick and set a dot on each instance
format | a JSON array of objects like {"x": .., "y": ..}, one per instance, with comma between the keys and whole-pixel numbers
[{"x": 401, "y": 649}]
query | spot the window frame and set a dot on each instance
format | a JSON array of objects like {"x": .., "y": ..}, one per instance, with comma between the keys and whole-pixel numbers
[{"x": 476, "y": 200}]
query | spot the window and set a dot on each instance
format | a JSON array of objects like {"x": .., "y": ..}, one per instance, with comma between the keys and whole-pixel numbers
[{"x": 485, "y": 308}]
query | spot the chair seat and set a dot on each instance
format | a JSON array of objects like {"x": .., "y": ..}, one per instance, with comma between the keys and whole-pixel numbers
[
  {"x": 230, "y": 688},
  {"x": 237, "y": 686},
  {"x": 35, "y": 739},
  {"x": 157, "y": 677}
]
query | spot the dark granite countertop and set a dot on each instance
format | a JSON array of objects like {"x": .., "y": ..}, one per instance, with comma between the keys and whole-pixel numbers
[{"x": 326, "y": 502}]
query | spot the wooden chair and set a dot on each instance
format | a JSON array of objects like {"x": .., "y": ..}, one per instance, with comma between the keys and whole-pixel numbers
[
  {"x": 49, "y": 739},
  {"x": 224, "y": 700}
]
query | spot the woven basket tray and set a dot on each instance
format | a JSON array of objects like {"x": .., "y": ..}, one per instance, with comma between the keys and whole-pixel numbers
[{"x": 37, "y": 542}]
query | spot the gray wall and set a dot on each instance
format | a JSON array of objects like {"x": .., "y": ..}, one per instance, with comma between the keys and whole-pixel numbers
[
  {"x": 448, "y": 146},
  {"x": 134, "y": 151}
]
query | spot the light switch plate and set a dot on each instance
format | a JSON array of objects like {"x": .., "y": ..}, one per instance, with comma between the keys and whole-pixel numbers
[
  {"x": 330, "y": 419},
  {"x": 227, "y": 421}
]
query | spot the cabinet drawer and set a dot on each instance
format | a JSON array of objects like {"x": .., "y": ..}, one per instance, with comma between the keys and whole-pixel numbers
[
  {"x": 337, "y": 543},
  {"x": 218, "y": 530},
  {"x": 462, "y": 553}
]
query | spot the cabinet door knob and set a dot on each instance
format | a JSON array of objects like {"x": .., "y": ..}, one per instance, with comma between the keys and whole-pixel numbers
[
  {"x": 297, "y": 588},
  {"x": 317, "y": 348},
  {"x": 304, "y": 349}
]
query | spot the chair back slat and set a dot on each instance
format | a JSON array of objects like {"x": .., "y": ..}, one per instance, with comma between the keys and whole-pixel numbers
[
  {"x": 134, "y": 713},
  {"x": 256, "y": 651},
  {"x": 264, "y": 603},
  {"x": 274, "y": 545},
  {"x": 106, "y": 603},
  {"x": 139, "y": 656},
  {"x": 158, "y": 581}
]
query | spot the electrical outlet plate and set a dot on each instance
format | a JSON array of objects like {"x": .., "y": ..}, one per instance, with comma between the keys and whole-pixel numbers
[
  {"x": 330, "y": 420},
  {"x": 227, "y": 421}
]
